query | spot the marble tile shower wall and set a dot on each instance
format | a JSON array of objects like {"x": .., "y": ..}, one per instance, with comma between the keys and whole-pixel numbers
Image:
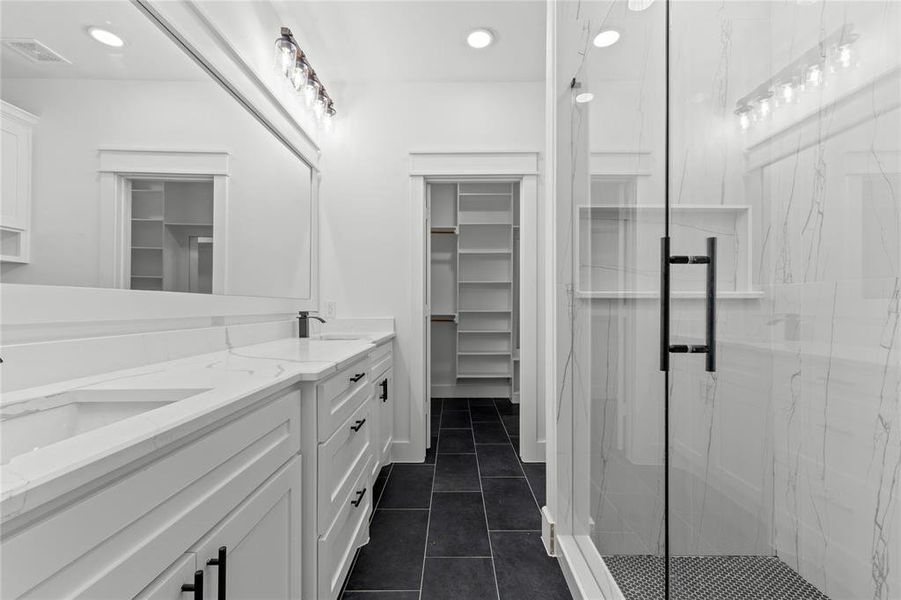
[{"x": 793, "y": 447}]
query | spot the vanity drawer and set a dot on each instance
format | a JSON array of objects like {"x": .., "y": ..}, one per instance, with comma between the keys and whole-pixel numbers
[
  {"x": 339, "y": 396},
  {"x": 341, "y": 460},
  {"x": 380, "y": 352},
  {"x": 115, "y": 541},
  {"x": 347, "y": 533},
  {"x": 379, "y": 366}
]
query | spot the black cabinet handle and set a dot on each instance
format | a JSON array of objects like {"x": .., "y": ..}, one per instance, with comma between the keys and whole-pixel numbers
[
  {"x": 220, "y": 561},
  {"x": 357, "y": 377},
  {"x": 384, "y": 384},
  {"x": 196, "y": 587},
  {"x": 358, "y": 424},
  {"x": 360, "y": 494}
]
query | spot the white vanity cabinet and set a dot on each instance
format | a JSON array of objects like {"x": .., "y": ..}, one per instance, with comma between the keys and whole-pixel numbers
[
  {"x": 382, "y": 404},
  {"x": 337, "y": 450},
  {"x": 139, "y": 531}
]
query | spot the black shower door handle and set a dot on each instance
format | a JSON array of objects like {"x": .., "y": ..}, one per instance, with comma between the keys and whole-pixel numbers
[{"x": 709, "y": 346}]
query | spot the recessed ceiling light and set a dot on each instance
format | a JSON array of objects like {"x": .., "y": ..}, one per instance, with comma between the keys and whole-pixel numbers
[
  {"x": 606, "y": 38},
  {"x": 584, "y": 97},
  {"x": 106, "y": 37},
  {"x": 480, "y": 38}
]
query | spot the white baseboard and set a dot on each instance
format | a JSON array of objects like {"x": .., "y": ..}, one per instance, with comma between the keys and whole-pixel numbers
[{"x": 471, "y": 390}]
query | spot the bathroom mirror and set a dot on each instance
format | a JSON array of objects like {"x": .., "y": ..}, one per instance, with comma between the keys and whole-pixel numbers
[{"x": 126, "y": 164}]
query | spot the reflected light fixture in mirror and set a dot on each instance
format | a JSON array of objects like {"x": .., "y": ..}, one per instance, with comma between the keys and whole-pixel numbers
[
  {"x": 106, "y": 37},
  {"x": 606, "y": 38},
  {"x": 480, "y": 38},
  {"x": 639, "y": 5},
  {"x": 584, "y": 97}
]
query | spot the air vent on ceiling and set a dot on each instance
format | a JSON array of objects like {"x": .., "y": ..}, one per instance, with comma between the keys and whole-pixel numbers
[{"x": 34, "y": 50}]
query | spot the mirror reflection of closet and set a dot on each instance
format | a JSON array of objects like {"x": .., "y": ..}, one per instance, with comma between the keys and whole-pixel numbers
[{"x": 171, "y": 235}]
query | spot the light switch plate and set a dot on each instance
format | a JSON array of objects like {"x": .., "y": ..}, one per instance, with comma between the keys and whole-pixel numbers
[{"x": 331, "y": 310}]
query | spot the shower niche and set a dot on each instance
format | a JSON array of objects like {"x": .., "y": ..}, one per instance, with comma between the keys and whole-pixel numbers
[
  {"x": 619, "y": 249},
  {"x": 171, "y": 232}
]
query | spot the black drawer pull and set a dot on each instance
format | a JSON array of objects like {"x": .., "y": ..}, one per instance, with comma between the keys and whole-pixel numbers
[
  {"x": 196, "y": 587},
  {"x": 357, "y": 377},
  {"x": 384, "y": 384},
  {"x": 359, "y": 499},
  {"x": 358, "y": 424},
  {"x": 220, "y": 561}
]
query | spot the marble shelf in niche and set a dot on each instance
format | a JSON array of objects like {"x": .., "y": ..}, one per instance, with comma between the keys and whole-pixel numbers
[{"x": 619, "y": 250}]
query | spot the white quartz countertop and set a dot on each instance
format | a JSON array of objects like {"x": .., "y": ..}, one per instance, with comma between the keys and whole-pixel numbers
[{"x": 225, "y": 382}]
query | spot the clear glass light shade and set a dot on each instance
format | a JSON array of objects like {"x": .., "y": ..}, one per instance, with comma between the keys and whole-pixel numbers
[
  {"x": 787, "y": 91},
  {"x": 328, "y": 121},
  {"x": 744, "y": 121},
  {"x": 844, "y": 56},
  {"x": 299, "y": 75},
  {"x": 639, "y": 5},
  {"x": 320, "y": 106},
  {"x": 311, "y": 91},
  {"x": 765, "y": 106},
  {"x": 815, "y": 75},
  {"x": 285, "y": 55}
]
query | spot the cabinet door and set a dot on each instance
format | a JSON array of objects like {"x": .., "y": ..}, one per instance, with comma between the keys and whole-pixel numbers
[
  {"x": 262, "y": 541},
  {"x": 386, "y": 415},
  {"x": 168, "y": 585}
]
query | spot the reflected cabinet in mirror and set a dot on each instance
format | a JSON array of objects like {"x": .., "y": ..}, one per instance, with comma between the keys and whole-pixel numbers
[{"x": 126, "y": 164}]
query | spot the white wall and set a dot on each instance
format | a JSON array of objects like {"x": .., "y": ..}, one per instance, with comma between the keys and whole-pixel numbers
[
  {"x": 365, "y": 265},
  {"x": 269, "y": 188}
]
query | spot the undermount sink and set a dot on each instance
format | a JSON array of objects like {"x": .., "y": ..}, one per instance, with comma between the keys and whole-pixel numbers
[{"x": 35, "y": 424}]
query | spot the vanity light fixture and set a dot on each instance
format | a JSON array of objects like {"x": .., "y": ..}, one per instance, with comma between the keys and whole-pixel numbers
[
  {"x": 106, "y": 37},
  {"x": 606, "y": 38},
  {"x": 639, "y": 5},
  {"x": 809, "y": 71},
  {"x": 480, "y": 38},
  {"x": 292, "y": 63}
]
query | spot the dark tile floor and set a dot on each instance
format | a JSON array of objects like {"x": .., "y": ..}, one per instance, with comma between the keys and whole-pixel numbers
[{"x": 466, "y": 524}]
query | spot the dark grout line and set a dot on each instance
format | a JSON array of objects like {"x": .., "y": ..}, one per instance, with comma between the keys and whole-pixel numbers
[{"x": 497, "y": 587}]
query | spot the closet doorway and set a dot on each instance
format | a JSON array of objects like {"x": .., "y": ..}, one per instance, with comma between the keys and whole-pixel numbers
[
  {"x": 474, "y": 292},
  {"x": 476, "y": 250}
]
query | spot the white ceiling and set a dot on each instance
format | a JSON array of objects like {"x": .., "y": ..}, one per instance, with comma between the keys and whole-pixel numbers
[
  {"x": 62, "y": 25},
  {"x": 419, "y": 40}
]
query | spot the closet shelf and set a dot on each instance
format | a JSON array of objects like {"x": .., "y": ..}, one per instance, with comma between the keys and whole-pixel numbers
[
  {"x": 485, "y": 331},
  {"x": 168, "y": 224},
  {"x": 147, "y": 248},
  {"x": 483, "y": 352},
  {"x": 448, "y": 230},
  {"x": 485, "y": 310},
  {"x": 146, "y": 220},
  {"x": 146, "y": 276},
  {"x": 451, "y": 318},
  {"x": 485, "y": 282},
  {"x": 483, "y": 375},
  {"x": 486, "y": 251}
]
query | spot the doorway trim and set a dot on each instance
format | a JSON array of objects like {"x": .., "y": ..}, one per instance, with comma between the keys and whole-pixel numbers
[
  {"x": 522, "y": 167},
  {"x": 118, "y": 166}
]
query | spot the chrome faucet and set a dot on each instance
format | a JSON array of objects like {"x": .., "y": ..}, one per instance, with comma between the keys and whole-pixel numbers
[{"x": 303, "y": 323}]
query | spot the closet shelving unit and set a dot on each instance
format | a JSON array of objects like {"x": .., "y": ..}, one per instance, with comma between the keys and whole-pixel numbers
[
  {"x": 165, "y": 216},
  {"x": 474, "y": 250}
]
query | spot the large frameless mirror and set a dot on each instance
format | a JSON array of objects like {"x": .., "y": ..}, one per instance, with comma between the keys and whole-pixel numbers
[{"x": 127, "y": 165}]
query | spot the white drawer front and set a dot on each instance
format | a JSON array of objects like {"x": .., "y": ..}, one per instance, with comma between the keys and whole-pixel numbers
[
  {"x": 344, "y": 380},
  {"x": 113, "y": 543},
  {"x": 168, "y": 585},
  {"x": 334, "y": 410},
  {"x": 341, "y": 459},
  {"x": 379, "y": 353},
  {"x": 348, "y": 532}
]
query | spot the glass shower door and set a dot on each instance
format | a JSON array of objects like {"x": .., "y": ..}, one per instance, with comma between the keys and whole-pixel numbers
[{"x": 784, "y": 453}]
